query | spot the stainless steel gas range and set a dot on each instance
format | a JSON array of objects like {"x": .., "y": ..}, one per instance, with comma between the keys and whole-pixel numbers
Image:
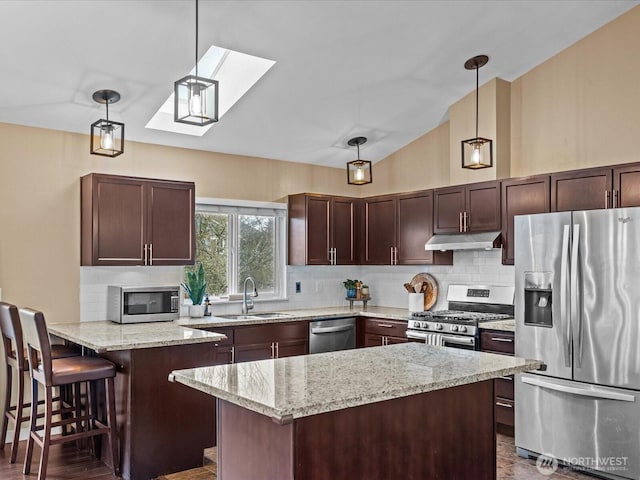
[{"x": 468, "y": 306}]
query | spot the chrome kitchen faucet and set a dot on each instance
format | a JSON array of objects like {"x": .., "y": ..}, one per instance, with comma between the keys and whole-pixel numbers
[{"x": 247, "y": 303}]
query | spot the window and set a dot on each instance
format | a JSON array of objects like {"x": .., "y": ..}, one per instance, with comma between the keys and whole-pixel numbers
[{"x": 237, "y": 240}]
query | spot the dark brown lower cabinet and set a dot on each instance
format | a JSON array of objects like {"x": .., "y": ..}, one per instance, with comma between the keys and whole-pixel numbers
[
  {"x": 438, "y": 434},
  {"x": 498, "y": 341},
  {"x": 374, "y": 332}
]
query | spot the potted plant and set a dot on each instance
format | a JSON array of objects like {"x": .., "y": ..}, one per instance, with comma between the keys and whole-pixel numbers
[
  {"x": 351, "y": 286},
  {"x": 364, "y": 290},
  {"x": 195, "y": 286}
]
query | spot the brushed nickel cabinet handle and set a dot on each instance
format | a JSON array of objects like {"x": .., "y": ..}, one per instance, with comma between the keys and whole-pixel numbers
[
  {"x": 501, "y": 404},
  {"x": 504, "y": 340},
  {"x": 616, "y": 199},
  {"x": 273, "y": 350},
  {"x": 385, "y": 325},
  {"x": 233, "y": 354},
  {"x": 151, "y": 254},
  {"x": 460, "y": 224},
  {"x": 607, "y": 195},
  {"x": 145, "y": 253}
]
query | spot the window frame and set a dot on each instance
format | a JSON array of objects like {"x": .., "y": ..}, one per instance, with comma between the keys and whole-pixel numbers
[{"x": 234, "y": 208}]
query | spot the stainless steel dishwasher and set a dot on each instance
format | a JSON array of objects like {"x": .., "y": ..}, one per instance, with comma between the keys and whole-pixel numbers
[{"x": 331, "y": 335}]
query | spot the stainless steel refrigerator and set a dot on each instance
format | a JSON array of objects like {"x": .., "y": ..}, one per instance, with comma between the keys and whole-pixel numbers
[{"x": 577, "y": 309}]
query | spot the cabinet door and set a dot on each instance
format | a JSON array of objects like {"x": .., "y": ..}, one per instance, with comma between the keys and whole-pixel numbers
[
  {"x": 170, "y": 223},
  {"x": 223, "y": 354},
  {"x": 318, "y": 230},
  {"x": 291, "y": 348},
  {"x": 372, "y": 340},
  {"x": 343, "y": 230},
  {"x": 483, "y": 207},
  {"x": 521, "y": 197},
  {"x": 415, "y": 227},
  {"x": 380, "y": 230},
  {"x": 626, "y": 185},
  {"x": 586, "y": 189},
  {"x": 112, "y": 220},
  {"x": 449, "y": 203}
]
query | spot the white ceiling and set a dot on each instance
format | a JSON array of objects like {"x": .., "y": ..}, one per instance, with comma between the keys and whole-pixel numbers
[{"x": 387, "y": 70}]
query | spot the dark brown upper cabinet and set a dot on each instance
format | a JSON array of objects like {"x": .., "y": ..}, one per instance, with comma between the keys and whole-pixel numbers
[
  {"x": 467, "y": 208},
  {"x": 380, "y": 217},
  {"x": 322, "y": 230},
  {"x": 586, "y": 189},
  {"x": 521, "y": 196},
  {"x": 626, "y": 186},
  {"x": 415, "y": 227},
  {"x": 136, "y": 221},
  {"x": 594, "y": 188},
  {"x": 396, "y": 227}
]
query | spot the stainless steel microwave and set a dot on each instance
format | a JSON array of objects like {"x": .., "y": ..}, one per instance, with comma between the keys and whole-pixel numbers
[{"x": 153, "y": 303}]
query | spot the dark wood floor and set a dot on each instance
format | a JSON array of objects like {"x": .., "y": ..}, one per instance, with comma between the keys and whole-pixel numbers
[{"x": 67, "y": 463}]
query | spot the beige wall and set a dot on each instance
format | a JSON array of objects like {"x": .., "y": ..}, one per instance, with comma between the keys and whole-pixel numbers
[
  {"x": 40, "y": 174},
  {"x": 581, "y": 108}
]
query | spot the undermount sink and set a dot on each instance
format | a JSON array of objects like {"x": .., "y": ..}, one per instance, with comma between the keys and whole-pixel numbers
[{"x": 255, "y": 316}]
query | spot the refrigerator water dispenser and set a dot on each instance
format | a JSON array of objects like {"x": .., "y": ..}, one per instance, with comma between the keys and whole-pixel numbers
[{"x": 538, "y": 299}]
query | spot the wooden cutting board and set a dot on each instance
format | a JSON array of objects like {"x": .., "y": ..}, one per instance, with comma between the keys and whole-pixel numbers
[{"x": 431, "y": 294}]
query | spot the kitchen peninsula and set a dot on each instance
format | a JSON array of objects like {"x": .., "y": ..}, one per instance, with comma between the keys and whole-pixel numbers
[
  {"x": 150, "y": 411},
  {"x": 410, "y": 411}
]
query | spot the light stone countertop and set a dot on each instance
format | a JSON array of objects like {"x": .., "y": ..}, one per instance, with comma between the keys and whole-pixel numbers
[
  {"x": 109, "y": 336},
  {"x": 504, "y": 325},
  {"x": 294, "y": 315},
  {"x": 294, "y": 387}
]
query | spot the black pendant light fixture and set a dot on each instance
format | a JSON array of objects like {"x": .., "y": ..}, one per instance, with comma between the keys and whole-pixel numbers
[
  {"x": 196, "y": 98},
  {"x": 107, "y": 136},
  {"x": 477, "y": 152},
  {"x": 358, "y": 171}
]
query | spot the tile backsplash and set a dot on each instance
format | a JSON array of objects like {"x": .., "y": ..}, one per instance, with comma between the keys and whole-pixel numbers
[{"x": 321, "y": 286}]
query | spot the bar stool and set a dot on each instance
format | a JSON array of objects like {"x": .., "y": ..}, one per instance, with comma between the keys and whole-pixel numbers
[
  {"x": 50, "y": 373},
  {"x": 16, "y": 362}
]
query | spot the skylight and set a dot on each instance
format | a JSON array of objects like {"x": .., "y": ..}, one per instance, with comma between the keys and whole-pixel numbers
[{"x": 236, "y": 73}]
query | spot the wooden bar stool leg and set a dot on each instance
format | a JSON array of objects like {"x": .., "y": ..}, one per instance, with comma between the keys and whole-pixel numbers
[
  {"x": 46, "y": 434},
  {"x": 7, "y": 408},
  {"x": 111, "y": 418},
  {"x": 32, "y": 427},
  {"x": 18, "y": 418}
]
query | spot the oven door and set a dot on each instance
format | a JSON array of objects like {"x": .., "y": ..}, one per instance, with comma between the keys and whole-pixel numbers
[{"x": 465, "y": 342}]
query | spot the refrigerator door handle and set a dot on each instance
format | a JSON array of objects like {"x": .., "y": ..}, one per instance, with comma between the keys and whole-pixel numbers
[
  {"x": 564, "y": 285},
  {"x": 594, "y": 392},
  {"x": 576, "y": 312}
]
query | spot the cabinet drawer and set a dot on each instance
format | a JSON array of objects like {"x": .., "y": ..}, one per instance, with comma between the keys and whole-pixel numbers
[
  {"x": 504, "y": 408},
  {"x": 497, "y": 342},
  {"x": 504, "y": 387},
  {"x": 271, "y": 332},
  {"x": 387, "y": 328}
]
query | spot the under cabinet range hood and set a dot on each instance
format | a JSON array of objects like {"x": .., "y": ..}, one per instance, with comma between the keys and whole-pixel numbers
[{"x": 465, "y": 241}]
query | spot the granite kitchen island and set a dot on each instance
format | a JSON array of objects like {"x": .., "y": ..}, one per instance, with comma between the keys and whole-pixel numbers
[{"x": 409, "y": 411}]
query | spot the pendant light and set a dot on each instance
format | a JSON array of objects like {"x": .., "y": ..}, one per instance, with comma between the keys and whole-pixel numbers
[
  {"x": 195, "y": 98},
  {"x": 358, "y": 171},
  {"x": 107, "y": 136},
  {"x": 477, "y": 152}
]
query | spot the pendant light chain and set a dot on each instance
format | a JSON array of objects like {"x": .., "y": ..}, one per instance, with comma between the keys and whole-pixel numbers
[
  {"x": 196, "y": 38},
  {"x": 477, "y": 87},
  {"x": 106, "y": 103}
]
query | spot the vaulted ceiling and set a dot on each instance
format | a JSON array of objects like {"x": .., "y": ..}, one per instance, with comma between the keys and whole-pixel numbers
[{"x": 387, "y": 70}]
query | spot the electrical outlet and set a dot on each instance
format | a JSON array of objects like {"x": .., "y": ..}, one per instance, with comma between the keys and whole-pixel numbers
[{"x": 298, "y": 287}]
